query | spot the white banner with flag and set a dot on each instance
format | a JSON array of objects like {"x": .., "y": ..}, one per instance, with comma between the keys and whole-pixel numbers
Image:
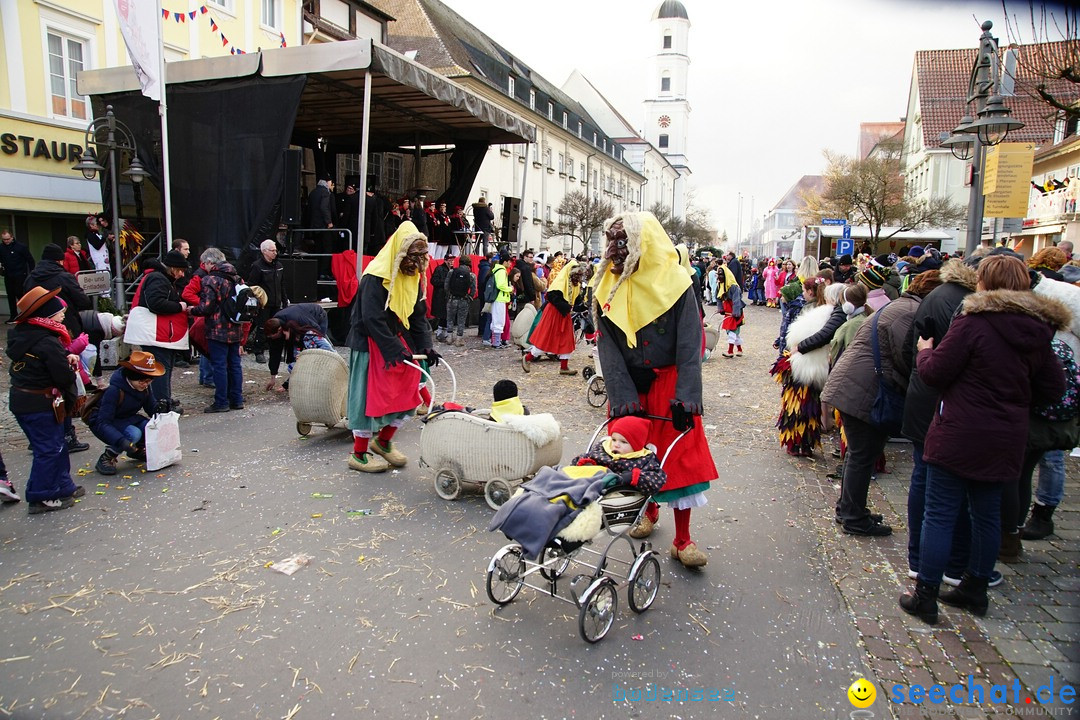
[{"x": 140, "y": 24}]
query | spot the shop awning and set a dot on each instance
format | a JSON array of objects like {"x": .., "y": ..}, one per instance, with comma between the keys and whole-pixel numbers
[{"x": 1044, "y": 230}]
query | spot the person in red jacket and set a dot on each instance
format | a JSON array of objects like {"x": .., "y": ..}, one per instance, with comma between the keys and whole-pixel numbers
[{"x": 75, "y": 258}]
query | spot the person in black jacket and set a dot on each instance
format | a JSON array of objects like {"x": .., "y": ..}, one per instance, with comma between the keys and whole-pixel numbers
[
  {"x": 268, "y": 273},
  {"x": 51, "y": 275},
  {"x": 16, "y": 262},
  {"x": 299, "y": 327},
  {"x": 42, "y": 391}
]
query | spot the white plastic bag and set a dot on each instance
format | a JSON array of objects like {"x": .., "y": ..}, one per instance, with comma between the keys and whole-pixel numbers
[{"x": 163, "y": 441}]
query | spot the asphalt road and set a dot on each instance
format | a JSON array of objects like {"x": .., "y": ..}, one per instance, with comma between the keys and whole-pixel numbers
[{"x": 154, "y": 600}]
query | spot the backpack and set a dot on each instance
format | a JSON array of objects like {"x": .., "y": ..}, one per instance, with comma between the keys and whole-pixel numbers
[
  {"x": 490, "y": 292},
  {"x": 1067, "y": 406},
  {"x": 240, "y": 305},
  {"x": 89, "y": 407},
  {"x": 460, "y": 282}
]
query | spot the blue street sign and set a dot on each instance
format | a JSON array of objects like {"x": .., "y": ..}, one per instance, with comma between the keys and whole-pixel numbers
[
  {"x": 845, "y": 246},
  {"x": 833, "y": 221},
  {"x": 847, "y": 232}
]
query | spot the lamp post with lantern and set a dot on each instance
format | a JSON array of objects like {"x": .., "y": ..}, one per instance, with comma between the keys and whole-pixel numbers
[
  {"x": 988, "y": 126},
  {"x": 111, "y": 136}
]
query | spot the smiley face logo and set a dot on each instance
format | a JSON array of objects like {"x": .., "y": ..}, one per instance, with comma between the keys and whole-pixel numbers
[{"x": 862, "y": 693}]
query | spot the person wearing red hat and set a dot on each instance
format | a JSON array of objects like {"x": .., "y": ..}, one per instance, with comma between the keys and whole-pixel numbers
[
  {"x": 625, "y": 453},
  {"x": 41, "y": 394}
]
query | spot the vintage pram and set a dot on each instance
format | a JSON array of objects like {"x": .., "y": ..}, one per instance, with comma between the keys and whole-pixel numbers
[
  {"x": 318, "y": 389},
  {"x": 593, "y": 590}
]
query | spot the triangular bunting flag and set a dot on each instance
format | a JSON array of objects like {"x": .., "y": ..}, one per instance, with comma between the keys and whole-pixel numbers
[
  {"x": 192, "y": 14},
  {"x": 165, "y": 14},
  {"x": 224, "y": 40},
  {"x": 202, "y": 9}
]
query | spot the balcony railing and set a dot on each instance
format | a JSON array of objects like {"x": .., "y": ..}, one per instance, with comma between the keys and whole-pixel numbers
[{"x": 1052, "y": 205}]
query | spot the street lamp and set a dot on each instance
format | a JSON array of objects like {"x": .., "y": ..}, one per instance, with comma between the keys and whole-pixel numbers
[
  {"x": 112, "y": 136},
  {"x": 989, "y": 126}
]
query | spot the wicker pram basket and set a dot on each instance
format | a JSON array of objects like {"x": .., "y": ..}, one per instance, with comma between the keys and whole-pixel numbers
[
  {"x": 464, "y": 448},
  {"x": 318, "y": 389}
]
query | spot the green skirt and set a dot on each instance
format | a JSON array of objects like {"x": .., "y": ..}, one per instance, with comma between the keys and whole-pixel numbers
[{"x": 356, "y": 404}]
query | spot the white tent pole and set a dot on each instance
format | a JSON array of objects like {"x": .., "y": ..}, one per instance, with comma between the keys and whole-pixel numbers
[
  {"x": 163, "y": 112},
  {"x": 364, "y": 130}
]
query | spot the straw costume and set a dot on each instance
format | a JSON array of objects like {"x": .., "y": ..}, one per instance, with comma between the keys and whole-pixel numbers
[
  {"x": 389, "y": 326},
  {"x": 650, "y": 341}
]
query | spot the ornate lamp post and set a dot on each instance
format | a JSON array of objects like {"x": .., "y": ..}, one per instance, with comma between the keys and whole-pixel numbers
[
  {"x": 111, "y": 136},
  {"x": 989, "y": 126}
]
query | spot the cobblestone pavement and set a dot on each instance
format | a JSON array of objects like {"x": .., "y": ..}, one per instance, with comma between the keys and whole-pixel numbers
[{"x": 1031, "y": 634}]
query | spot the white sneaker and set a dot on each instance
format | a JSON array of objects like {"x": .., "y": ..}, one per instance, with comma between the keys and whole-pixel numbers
[{"x": 7, "y": 492}]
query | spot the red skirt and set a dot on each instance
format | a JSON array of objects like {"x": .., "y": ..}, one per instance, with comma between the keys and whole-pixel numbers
[
  {"x": 554, "y": 333},
  {"x": 691, "y": 461}
]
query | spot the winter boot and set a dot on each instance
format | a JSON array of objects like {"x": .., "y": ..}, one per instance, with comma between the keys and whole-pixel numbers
[
  {"x": 72, "y": 442},
  {"x": 106, "y": 464},
  {"x": 922, "y": 602},
  {"x": 1011, "y": 547},
  {"x": 970, "y": 594},
  {"x": 1040, "y": 523}
]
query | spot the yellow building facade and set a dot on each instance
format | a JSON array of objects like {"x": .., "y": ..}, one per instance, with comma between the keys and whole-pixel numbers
[{"x": 43, "y": 119}]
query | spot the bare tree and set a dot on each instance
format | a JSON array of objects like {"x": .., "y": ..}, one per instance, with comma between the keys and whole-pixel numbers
[
  {"x": 1048, "y": 64},
  {"x": 579, "y": 219},
  {"x": 695, "y": 228},
  {"x": 871, "y": 192}
]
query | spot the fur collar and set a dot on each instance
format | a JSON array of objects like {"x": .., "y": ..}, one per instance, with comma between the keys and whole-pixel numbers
[
  {"x": 540, "y": 429},
  {"x": 955, "y": 271},
  {"x": 1023, "y": 302}
]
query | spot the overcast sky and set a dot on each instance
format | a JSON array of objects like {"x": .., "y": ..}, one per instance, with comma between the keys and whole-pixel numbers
[{"x": 772, "y": 83}]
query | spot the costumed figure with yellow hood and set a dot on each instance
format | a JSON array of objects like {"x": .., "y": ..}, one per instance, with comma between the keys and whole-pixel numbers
[
  {"x": 388, "y": 327},
  {"x": 554, "y": 331},
  {"x": 650, "y": 341},
  {"x": 730, "y": 293}
]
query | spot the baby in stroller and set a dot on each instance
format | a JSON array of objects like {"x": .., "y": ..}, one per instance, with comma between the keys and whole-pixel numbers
[{"x": 560, "y": 503}]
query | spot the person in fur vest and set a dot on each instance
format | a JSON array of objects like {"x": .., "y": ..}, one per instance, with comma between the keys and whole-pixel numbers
[
  {"x": 852, "y": 388},
  {"x": 802, "y": 372},
  {"x": 626, "y": 454},
  {"x": 993, "y": 364}
]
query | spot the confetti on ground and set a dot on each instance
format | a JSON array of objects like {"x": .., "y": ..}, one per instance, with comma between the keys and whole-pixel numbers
[
  {"x": 637, "y": 637},
  {"x": 316, "y": 515},
  {"x": 322, "y": 496}
]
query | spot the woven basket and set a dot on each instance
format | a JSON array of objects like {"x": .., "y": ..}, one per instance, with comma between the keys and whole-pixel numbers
[
  {"x": 319, "y": 387},
  {"x": 478, "y": 449}
]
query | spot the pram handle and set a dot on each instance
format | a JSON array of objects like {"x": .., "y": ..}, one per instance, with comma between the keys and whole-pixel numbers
[{"x": 427, "y": 375}]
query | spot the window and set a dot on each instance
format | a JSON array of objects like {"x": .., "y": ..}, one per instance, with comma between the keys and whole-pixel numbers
[
  {"x": 579, "y": 128},
  {"x": 583, "y": 175},
  {"x": 374, "y": 166},
  {"x": 663, "y": 142},
  {"x": 536, "y": 153},
  {"x": 532, "y": 99},
  {"x": 565, "y": 118},
  {"x": 510, "y": 86},
  {"x": 667, "y": 41},
  {"x": 547, "y": 158},
  {"x": 595, "y": 139},
  {"x": 393, "y": 173},
  {"x": 65, "y": 60},
  {"x": 270, "y": 14},
  {"x": 551, "y": 111},
  {"x": 536, "y": 210},
  {"x": 229, "y": 5},
  {"x": 547, "y": 213},
  {"x": 665, "y": 84},
  {"x": 562, "y": 163}
]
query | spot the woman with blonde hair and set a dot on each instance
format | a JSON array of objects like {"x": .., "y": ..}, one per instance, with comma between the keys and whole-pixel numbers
[{"x": 1048, "y": 261}]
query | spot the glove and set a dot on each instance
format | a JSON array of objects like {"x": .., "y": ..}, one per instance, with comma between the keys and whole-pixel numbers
[
  {"x": 681, "y": 418},
  {"x": 162, "y": 406},
  {"x": 433, "y": 357}
]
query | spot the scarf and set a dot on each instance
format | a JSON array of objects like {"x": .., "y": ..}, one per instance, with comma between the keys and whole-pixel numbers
[
  {"x": 651, "y": 282},
  {"x": 606, "y": 444},
  {"x": 52, "y": 326},
  {"x": 401, "y": 290},
  {"x": 561, "y": 283},
  {"x": 509, "y": 406}
]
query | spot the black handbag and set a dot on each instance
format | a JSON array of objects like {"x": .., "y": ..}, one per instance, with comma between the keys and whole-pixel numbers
[{"x": 887, "y": 412}]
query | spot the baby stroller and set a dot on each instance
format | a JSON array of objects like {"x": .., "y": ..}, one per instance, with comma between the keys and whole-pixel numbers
[
  {"x": 593, "y": 590},
  {"x": 464, "y": 447},
  {"x": 318, "y": 389},
  {"x": 596, "y": 391}
]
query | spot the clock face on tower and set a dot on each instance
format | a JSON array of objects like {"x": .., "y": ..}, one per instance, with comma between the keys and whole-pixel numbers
[{"x": 664, "y": 121}]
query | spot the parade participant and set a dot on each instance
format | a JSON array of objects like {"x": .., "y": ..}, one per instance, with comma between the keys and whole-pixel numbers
[
  {"x": 505, "y": 401},
  {"x": 729, "y": 292},
  {"x": 802, "y": 372},
  {"x": 650, "y": 340},
  {"x": 389, "y": 326},
  {"x": 459, "y": 229},
  {"x": 443, "y": 234},
  {"x": 116, "y": 420},
  {"x": 42, "y": 392},
  {"x": 772, "y": 289},
  {"x": 554, "y": 332},
  {"x": 626, "y": 454}
]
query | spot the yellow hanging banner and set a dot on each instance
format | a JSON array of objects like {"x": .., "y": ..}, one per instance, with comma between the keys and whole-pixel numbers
[{"x": 1007, "y": 179}]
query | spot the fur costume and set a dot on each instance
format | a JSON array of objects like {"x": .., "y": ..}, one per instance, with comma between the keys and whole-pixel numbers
[
  {"x": 1069, "y": 296},
  {"x": 810, "y": 368},
  {"x": 799, "y": 423}
]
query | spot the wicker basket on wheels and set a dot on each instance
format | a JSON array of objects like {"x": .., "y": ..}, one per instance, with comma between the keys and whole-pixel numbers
[{"x": 318, "y": 389}]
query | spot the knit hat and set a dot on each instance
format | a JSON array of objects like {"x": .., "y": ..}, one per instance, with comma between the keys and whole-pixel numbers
[
  {"x": 504, "y": 389},
  {"x": 53, "y": 252},
  {"x": 931, "y": 260},
  {"x": 873, "y": 277},
  {"x": 634, "y": 429},
  {"x": 175, "y": 259},
  {"x": 916, "y": 251},
  {"x": 845, "y": 259},
  {"x": 886, "y": 260}
]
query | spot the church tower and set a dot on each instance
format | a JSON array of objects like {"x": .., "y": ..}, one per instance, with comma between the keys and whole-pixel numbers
[{"x": 667, "y": 112}]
